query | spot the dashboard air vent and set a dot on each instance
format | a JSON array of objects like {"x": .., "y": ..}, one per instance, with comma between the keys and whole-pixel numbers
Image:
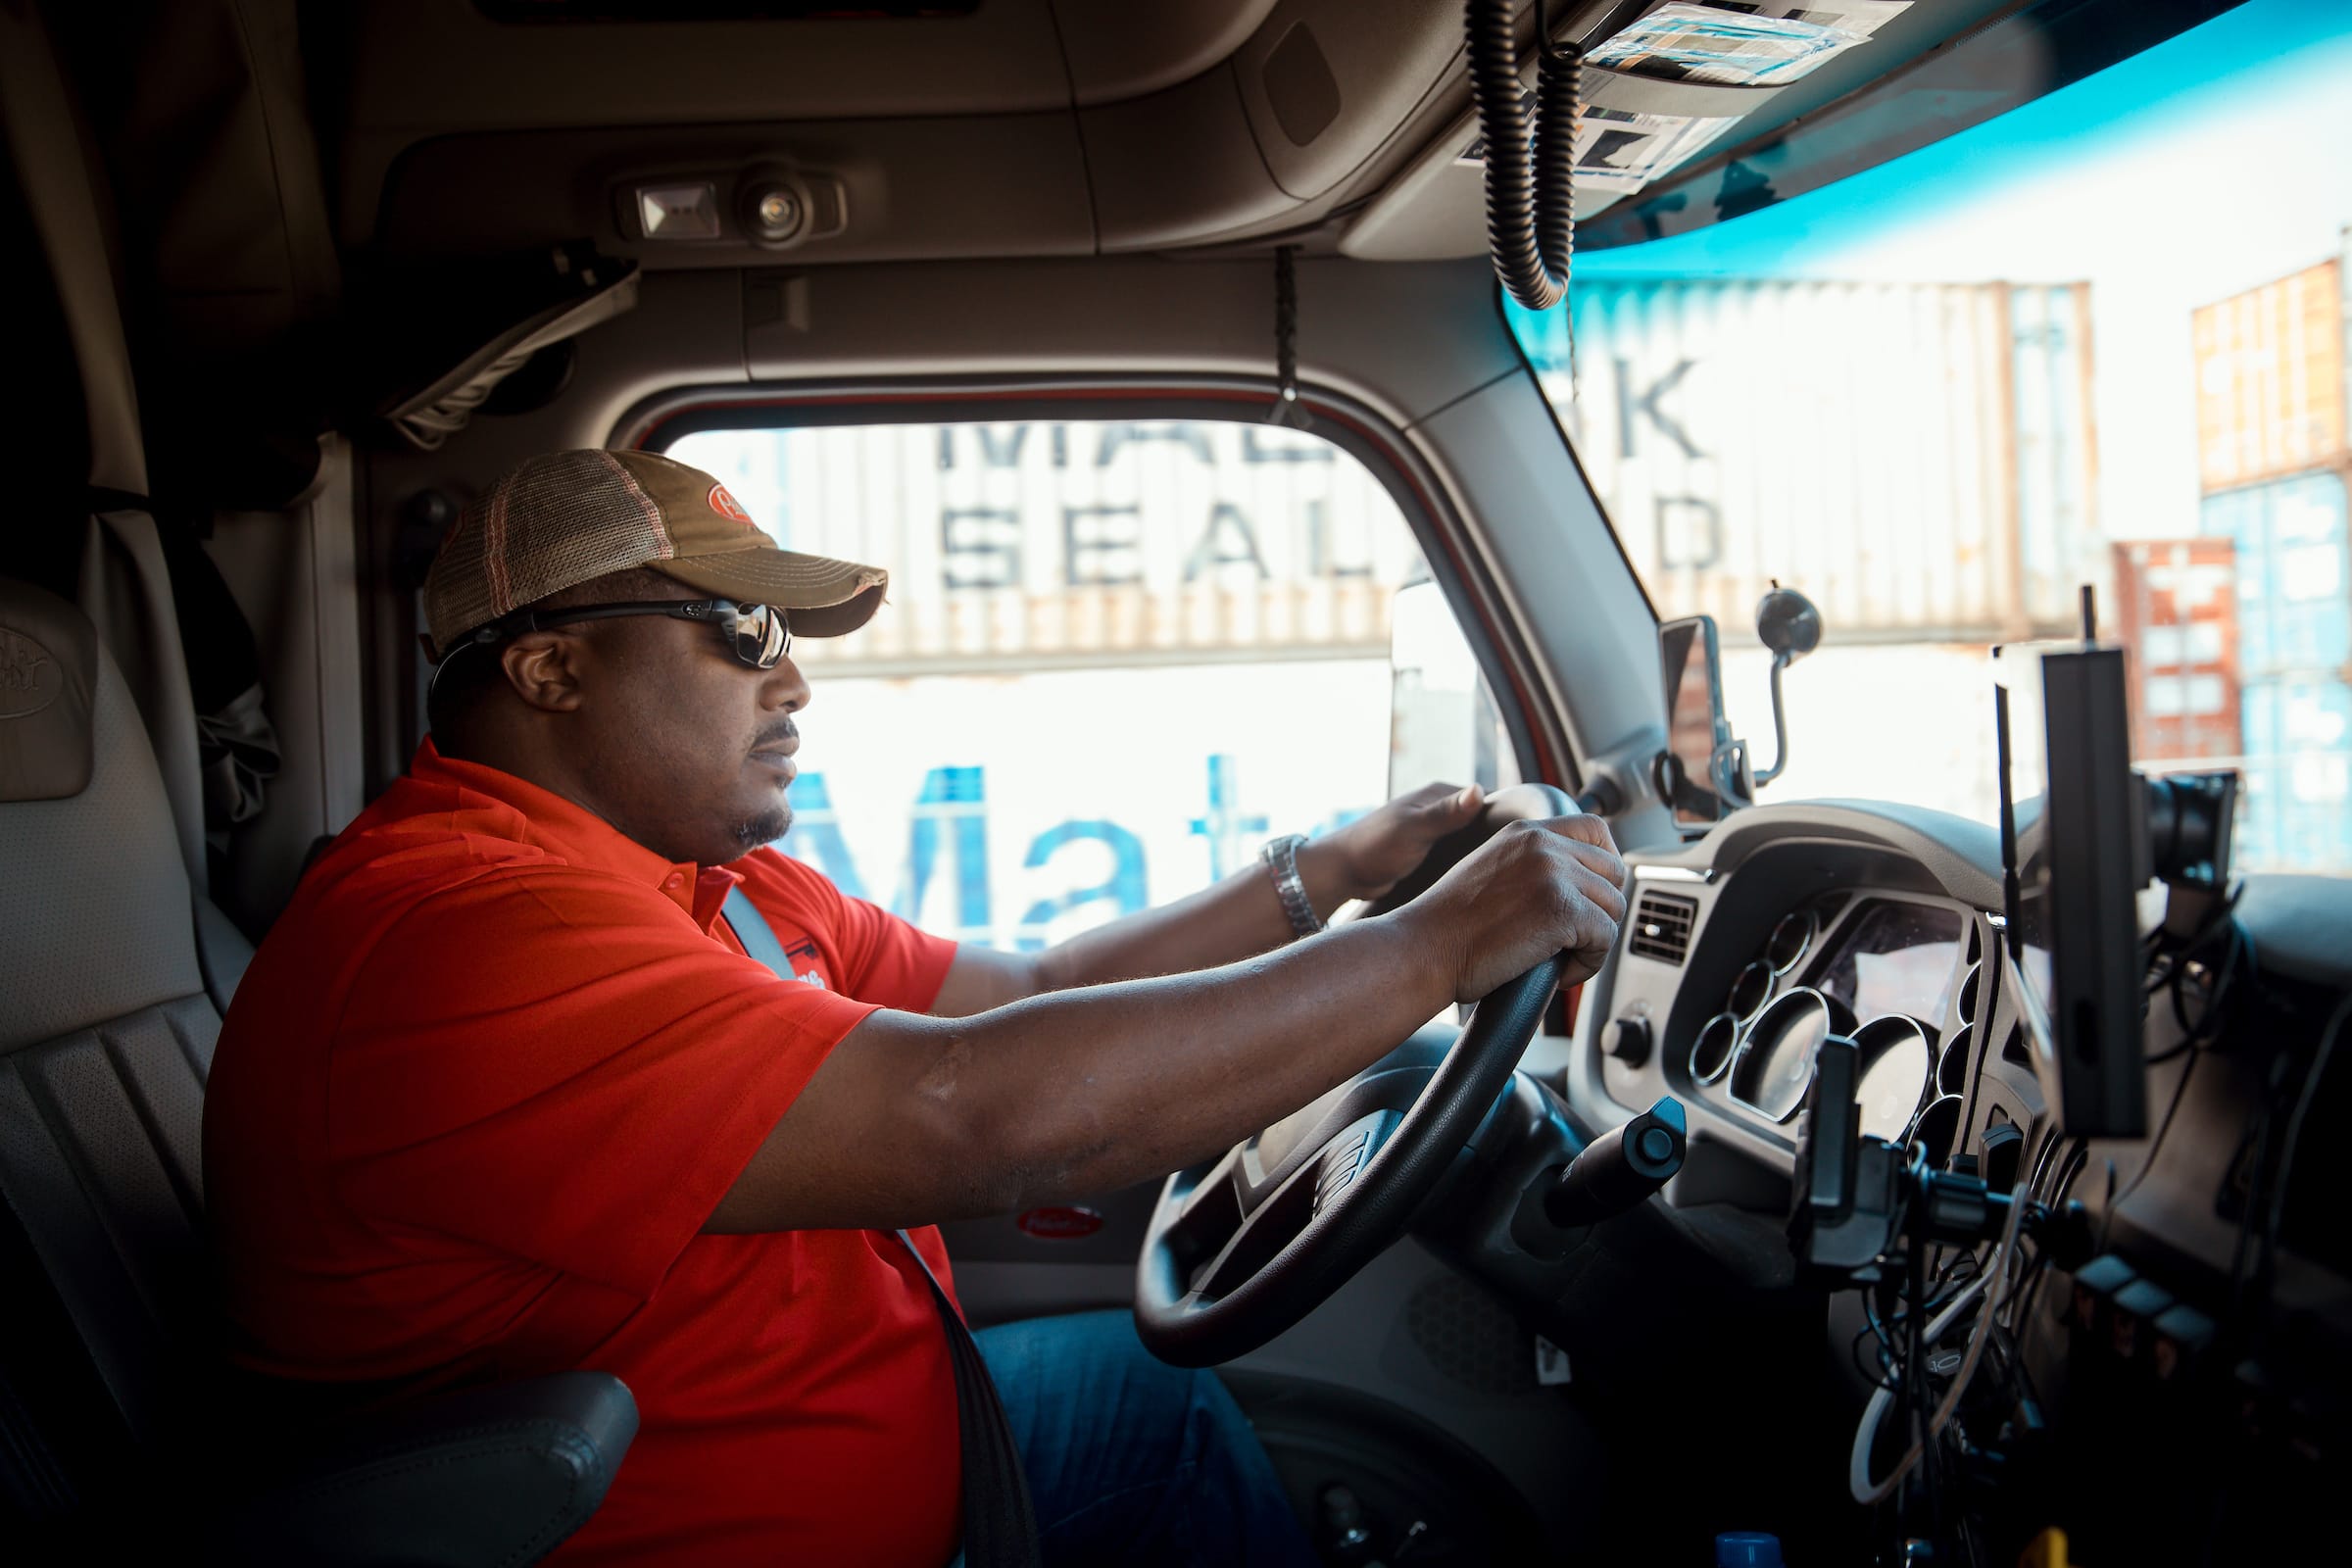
[{"x": 1661, "y": 928}]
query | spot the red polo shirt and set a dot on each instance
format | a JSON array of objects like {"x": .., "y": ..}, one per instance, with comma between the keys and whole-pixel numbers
[{"x": 486, "y": 1079}]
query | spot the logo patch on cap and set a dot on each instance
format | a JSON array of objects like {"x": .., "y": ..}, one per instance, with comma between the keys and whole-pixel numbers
[
  {"x": 29, "y": 679},
  {"x": 726, "y": 506}
]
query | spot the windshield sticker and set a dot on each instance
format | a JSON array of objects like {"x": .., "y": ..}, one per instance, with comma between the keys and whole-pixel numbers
[{"x": 1753, "y": 46}]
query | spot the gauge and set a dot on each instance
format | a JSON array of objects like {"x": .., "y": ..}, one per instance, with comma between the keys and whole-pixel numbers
[
  {"x": 1776, "y": 1065},
  {"x": 1789, "y": 940},
  {"x": 1712, "y": 1052},
  {"x": 1951, "y": 1068},
  {"x": 1750, "y": 991},
  {"x": 1967, "y": 993},
  {"x": 1939, "y": 1128},
  {"x": 1894, "y": 1060}
]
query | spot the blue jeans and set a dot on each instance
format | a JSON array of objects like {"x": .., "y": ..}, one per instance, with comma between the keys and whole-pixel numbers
[{"x": 1134, "y": 1461}]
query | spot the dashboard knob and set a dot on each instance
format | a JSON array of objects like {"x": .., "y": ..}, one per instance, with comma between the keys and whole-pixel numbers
[{"x": 1629, "y": 1040}]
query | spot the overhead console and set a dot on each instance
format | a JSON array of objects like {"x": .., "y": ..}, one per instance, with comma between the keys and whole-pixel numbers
[{"x": 1018, "y": 128}]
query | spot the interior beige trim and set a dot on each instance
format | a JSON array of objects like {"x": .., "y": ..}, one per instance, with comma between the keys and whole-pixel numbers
[{"x": 67, "y": 191}]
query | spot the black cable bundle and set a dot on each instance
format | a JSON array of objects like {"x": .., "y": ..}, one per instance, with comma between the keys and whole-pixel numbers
[{"x": 1531, "y": 171}]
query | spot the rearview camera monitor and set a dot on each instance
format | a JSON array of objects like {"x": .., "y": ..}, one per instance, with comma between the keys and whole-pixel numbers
[{"x": 2074, "y": 833}]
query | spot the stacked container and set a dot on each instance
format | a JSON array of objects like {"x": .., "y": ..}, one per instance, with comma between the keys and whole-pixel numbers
[
  {"x": 2275, "y": 454},
  {"x": 1918, "y": 458},
  {"x": 2175, "y": 607}
]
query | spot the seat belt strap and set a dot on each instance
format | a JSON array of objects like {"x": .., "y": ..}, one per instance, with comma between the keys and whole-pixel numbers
[{"x": 1000, "y": 1528}]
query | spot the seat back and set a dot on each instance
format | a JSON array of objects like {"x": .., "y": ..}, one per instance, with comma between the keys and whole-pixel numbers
[{"x": 106, "y": 1039}]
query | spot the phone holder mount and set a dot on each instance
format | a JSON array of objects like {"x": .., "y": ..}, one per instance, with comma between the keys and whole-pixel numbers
[
  {"x": 1787, "y": 623},
  {"x": 1724, "y": 778},
  {"x": 1855, "y": 1193}
]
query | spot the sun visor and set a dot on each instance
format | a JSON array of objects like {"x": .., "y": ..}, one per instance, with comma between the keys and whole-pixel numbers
[{"x": 453, "y": 339}]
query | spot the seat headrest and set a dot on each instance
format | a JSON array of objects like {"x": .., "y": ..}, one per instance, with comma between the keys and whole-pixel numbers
[{"x": 48, "y": 679}]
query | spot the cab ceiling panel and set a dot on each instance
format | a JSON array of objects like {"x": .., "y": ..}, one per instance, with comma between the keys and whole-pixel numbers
[
  {"x": 1008, "y": 128},
  {"x": 421, "y": 70},
  {"x": 1007, "y": 184}
]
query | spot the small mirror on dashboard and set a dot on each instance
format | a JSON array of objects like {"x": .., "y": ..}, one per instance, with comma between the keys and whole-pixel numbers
[{"x": 1701, "y": 762}]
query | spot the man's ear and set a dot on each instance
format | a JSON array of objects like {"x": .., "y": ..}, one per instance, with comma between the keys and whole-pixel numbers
[{"x": 544, "y": 670}]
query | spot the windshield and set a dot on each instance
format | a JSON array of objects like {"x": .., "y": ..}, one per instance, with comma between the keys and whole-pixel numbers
[{"x": 2100, "y": 339}]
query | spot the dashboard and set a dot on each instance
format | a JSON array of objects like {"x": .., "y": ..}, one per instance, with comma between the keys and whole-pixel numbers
[
  {"x": 2180, "y": 1305},
  {"x": 2208, "y": 1310},
  {"x": 1743, "y": 950}
]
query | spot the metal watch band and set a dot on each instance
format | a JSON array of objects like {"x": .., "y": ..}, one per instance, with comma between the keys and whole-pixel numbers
[{"x": 1282, "y": 861}]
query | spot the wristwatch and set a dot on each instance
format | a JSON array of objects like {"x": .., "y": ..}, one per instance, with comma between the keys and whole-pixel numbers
[{"x": 1282, "y": 863}]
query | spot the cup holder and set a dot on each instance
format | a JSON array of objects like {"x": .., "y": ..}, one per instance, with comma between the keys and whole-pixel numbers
[{"x": 1711, "y": 1053}]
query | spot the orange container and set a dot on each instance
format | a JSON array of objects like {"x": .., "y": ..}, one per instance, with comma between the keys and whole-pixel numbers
[{"x": 2271, "y": 381}]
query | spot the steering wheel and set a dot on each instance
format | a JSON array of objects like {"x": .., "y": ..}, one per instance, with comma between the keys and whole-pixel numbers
[{"x": 1242, "y": 1247}]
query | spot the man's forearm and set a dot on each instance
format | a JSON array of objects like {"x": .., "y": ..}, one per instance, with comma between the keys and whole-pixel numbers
[
  {"x": 912, "y": 1119},
  {"x": 1237, "y": 918},
  {"x": 1081, "y": 1091}
]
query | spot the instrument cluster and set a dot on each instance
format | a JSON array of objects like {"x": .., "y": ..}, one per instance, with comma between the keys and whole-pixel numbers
[{"x": 1898, "y": 975}]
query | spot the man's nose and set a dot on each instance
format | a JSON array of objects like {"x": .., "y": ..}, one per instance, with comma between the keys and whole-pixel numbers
[{"x": 784, "y": 687}]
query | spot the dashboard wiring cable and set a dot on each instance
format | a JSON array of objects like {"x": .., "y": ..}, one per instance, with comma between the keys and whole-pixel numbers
[
  {"x": 2155, "y": 1145},
  {"x": 2172, "y": 962},
  {"x": 1993, "y": 1278},
  {"x": 1880, "y": 1329}
]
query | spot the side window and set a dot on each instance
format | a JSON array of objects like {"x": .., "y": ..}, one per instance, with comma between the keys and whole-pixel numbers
[{"x": 1115, "y": 658}]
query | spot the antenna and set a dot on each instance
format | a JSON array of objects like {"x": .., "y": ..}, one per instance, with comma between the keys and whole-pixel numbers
[
  {"x": 2012, "y": 890},
  {"x": 2090, "y": 615}
]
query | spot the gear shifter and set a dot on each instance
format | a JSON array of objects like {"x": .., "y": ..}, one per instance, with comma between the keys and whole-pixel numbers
[{"x": 1620, "y": 1167}]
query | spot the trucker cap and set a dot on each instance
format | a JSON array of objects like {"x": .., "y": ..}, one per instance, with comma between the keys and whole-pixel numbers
[{"x": 559, "y": 519}]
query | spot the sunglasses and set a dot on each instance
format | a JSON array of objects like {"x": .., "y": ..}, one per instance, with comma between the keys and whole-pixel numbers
[{"x": 758, "y": 635}]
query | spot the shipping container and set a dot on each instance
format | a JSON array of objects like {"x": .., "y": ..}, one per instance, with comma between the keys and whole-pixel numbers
[
  {"x": 964, "y": 803},
  {"x": 1919, "y": 459},
  {"x": 2271, "y": 379},
  {"x": 2294, "y": 572},
  {"x": 1029, "y": 545},
  {"x": 2297, "y": 811},
  {"x": 2175, "y": 609}
]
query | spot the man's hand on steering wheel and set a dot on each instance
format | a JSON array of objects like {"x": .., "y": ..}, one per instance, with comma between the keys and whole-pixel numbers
[
  {"x": 1534, "y": 889},
  {"x": 1499, "y": 901},
  {"x": 1374, "y": 852}
]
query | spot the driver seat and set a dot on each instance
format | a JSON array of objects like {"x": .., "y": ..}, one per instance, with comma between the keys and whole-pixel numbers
[{"x": 112, "y": 1396}]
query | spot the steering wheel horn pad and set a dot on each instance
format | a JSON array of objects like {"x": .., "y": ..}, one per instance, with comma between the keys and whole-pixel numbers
[{"x": 1242, "y": 1247}]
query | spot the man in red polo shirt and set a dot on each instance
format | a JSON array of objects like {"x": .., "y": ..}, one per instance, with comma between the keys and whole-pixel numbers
[{"x": 503, "y": 1094}]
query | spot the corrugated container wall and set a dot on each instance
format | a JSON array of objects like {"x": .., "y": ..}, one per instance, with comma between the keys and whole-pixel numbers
[
  {"x": 2271, "y": 378},
  {"x": 1919, "y": 459},
  {"x": 2176, "y": 610},
  {"x": 2297, "y": 811},
  {"x": 1021, "y": 544},
  {"x": 2294, "y": 572}
]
